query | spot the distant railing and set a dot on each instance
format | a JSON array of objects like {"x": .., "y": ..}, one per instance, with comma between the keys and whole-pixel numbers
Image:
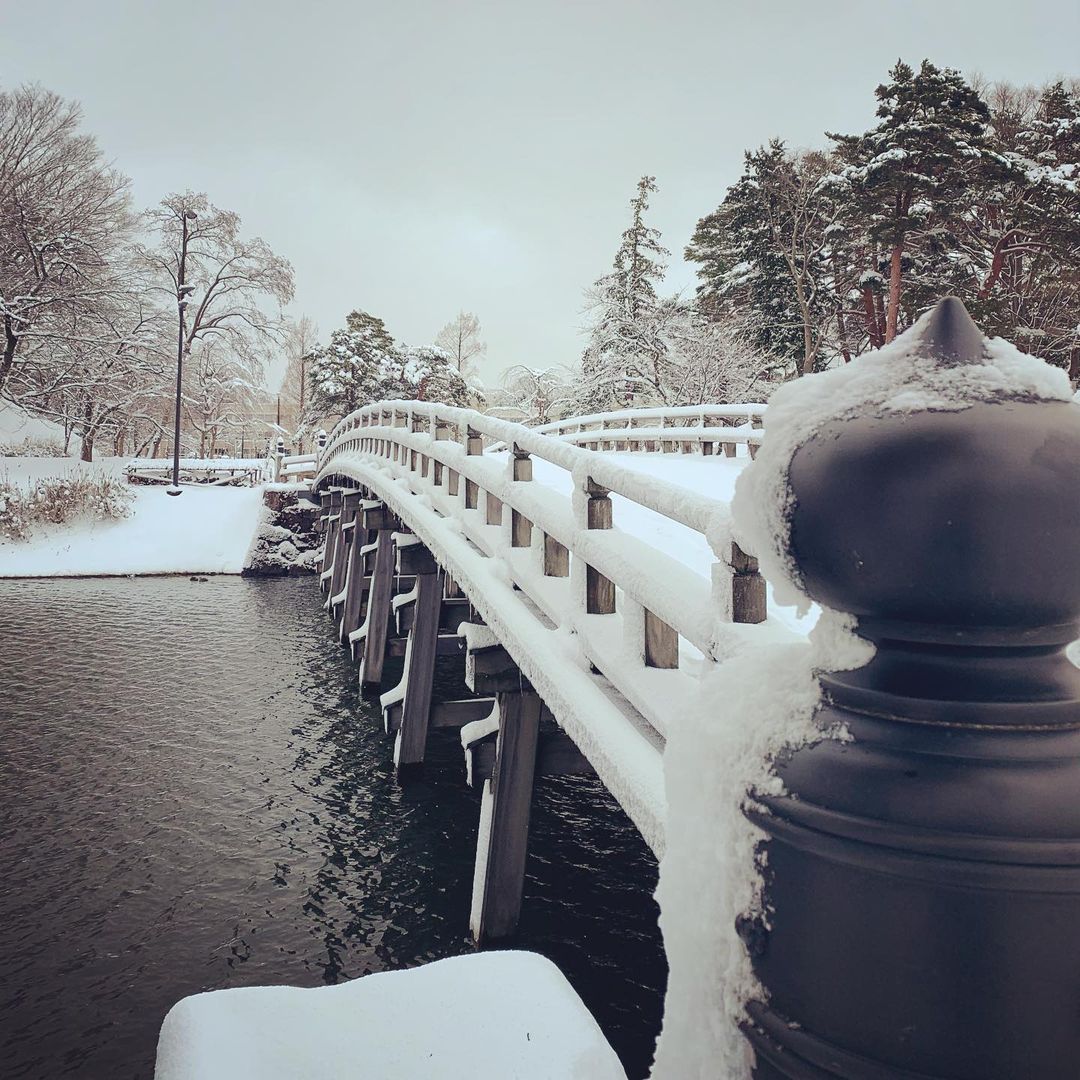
[
  {"x": 213, "y": 471},
  {"x": 671, "y": 430}
]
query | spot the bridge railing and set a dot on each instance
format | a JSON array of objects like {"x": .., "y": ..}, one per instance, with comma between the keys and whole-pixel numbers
[
  {"x": 566, "y": 552},
  {"x": 668, "y": 429}
]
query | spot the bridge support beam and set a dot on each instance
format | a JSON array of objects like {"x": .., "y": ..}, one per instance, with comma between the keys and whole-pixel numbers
[
  {"x": 502, "y": 844},
  {"x": 374, "y": 633},
  {"x": 419, "y": 674},
  {"x": 333, "y": 522},
  {"x": 350, "y": 501},
  {"x": 355, "y": 576}
]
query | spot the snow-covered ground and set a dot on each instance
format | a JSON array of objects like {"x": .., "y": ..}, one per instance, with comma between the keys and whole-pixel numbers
[
  {"x": 17, "y": 425},
  {"x": 202, "y": 531},
  {"x": 510, "y": 1015}
]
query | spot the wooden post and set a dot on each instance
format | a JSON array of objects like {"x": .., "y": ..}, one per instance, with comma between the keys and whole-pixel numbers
[
  {"x": 502, "y": 846},
  {"x": 333, "y": 520},
  {"x": 354, "y": 577},
  {"x": 599, "y": 590},
  {"x": 747, "y": 588},
  {"x": 520, "y": 530},
  {"x": 521, "y": 466},
  {"x": 419, "y": 673},
  {"x": 494, "y": 509},
  {"x": 661, "y": 643},
  {"x": 556, "y": 558},
  {"x": 349, "y": 502}
]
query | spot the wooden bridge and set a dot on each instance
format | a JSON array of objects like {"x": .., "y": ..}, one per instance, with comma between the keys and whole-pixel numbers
[{"x": 583, "y": 595}]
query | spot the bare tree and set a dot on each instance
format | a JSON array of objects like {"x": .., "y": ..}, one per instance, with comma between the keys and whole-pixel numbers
[
  {"x": 461, "y": 340},
  {"x": 235, "y": 287},
  {"x": 221, "y": 389},
  {"x": 301, "y": 340},
  {"x": 63, "y": 215},
  {"x": 533, "y": 395},
  {"x": 104, "y": 374}
]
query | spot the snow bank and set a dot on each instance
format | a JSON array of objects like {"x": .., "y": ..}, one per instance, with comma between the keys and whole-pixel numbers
[
  {"x": 748, "y": 710},
  {"x": 18, "y": 426},
  {"x": 502, "y": 1014},
  {"x": 764, "y": 700},
  {"x": 203, "y": 531},
  {"x": 895, "y": 379}
]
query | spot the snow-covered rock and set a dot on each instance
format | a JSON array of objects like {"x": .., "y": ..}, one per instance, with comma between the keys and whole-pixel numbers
[
  {"x": 488, "y": 1016},
  {"x": 286, "y": 541}
]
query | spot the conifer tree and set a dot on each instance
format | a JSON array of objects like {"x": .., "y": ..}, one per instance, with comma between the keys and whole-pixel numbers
[
  {"x": 345, "y": 374},
  {"x": 909, "y": 177},
  {"x": 625, "y": 358},
  {"x": 763, "y": 253}
]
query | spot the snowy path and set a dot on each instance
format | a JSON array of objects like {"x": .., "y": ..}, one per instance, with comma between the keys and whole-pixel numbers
[{"x": 203, "y": 531}]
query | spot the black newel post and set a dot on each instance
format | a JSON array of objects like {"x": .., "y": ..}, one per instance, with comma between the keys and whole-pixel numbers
[{"x": 925, "y": 879}]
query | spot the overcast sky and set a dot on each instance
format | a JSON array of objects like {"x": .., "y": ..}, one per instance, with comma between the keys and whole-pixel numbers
[{"x": 415, "y": 157}]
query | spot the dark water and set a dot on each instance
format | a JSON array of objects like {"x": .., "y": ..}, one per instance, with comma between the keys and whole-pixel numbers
[{"x": 193, "y": 796}]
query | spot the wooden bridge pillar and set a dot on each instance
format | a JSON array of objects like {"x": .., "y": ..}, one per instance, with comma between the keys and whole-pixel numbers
[
  {"x": 375, "y": 630},
  {"x": 350, "y": 500},
  {"x": 506, "y": 804},
  {"x": 333, "y": 521},
  {"x": 355, "y": 575},
  {"x": 420, "y": 652}
]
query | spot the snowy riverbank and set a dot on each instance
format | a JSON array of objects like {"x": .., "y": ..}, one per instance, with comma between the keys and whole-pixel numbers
[{"x": 203, "y": 531}]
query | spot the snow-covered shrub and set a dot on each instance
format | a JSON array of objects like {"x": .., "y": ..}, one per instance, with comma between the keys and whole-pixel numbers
[
  {"x": 14, "y": 513},
  {"x": 31, "y": 448},
  {"x": 60, "y": 499}
]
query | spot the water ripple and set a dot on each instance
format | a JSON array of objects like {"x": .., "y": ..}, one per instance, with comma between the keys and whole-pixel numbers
[{"x": 193, "y": 796}]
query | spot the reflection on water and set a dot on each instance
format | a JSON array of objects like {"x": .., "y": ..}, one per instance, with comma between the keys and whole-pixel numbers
[{"x": 193, "y": 796}]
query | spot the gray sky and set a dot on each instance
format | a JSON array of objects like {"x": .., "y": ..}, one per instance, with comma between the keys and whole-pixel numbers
[{"x": 414, "y": 157}]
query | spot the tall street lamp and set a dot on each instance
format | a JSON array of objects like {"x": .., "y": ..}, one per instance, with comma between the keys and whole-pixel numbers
[{"x": 183, "y": 296}]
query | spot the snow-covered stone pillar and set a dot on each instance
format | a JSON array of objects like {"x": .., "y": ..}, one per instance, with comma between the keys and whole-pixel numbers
[{"x": 921, "y": 914}]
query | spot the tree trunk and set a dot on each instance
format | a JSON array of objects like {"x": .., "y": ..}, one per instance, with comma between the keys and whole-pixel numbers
[
  {"x": 7, "y": 358},
  {"x": 894, "y": 292},
  {"x": 87, "y": 447},
  {"x": 873, "y": 330}
]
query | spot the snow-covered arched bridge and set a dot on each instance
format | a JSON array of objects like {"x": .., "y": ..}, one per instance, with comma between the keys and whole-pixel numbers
[{"x": 585, "y": 589}]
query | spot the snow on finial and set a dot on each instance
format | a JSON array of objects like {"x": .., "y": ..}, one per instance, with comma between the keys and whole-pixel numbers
[
  {"x": 950, "y": 336},
  {"x": 941, "y": 364}
]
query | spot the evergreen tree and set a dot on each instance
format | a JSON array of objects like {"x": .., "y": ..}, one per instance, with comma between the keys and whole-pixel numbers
[
  {"x": 625, "y": 358},
  {"x": 909, "y": 178},
  {"x": 763, "y": 254},
  {"x": 347, "y": 373}
]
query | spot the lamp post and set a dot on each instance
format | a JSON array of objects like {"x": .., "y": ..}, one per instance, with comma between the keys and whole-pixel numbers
[{"x": 183, "y": 294}]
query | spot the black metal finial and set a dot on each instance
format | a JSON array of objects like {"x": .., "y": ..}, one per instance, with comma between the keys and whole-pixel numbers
[{"x": 950, "y": 335}]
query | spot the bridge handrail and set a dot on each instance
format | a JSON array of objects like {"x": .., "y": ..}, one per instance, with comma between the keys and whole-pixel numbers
[
  {"x": 661, "y": 584},
  {"x": 626, "y": 418},
  {"x": 689, "y": 508}
]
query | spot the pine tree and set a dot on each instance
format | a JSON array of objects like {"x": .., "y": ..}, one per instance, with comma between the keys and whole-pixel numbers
[
  {"x": 908, "y": 178},
  {"x": 346, "y": 374},
  {"x": 625, "y": 358},
  {"x": 762, "y": 254}
]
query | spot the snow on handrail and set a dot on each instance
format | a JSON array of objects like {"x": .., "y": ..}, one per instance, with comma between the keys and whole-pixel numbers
[
  {"x": 649, "y": 576},
  {"x": 749, "y": 412},
  {"x": 628, "y": 603}
]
